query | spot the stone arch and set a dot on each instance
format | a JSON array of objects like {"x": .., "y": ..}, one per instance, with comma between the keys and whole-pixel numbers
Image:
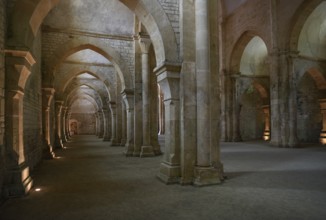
[
  {"x": 105, "y": 50},
  {"x": 75, "y": 92},
  {"x": 86, "y": 120},
  {"x": 92, "y": 86},
  {"x": 264, "y": 93},
  {"x": 318, "y": 78},
  {"x": 149, "y": 12},
  {"x": 252, "y": 118},
  {"x": 71, "y": 75},
  {"x": 159, "y": 28},
  {"x": 88, "y": 98},
  {"x": 239, "y": 48},
  {"x": 299, "y": 19},
  {"x": 26, "y": 19},
  {"x": 310, "y": 97},
  {"x": 92, "y": 71}
]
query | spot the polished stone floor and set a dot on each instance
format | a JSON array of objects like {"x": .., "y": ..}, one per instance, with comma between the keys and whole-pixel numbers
[{"x": 90, "y": 180}]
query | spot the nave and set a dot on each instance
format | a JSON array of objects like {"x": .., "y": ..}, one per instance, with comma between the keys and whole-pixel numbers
[{"x": 89, "y": 180}]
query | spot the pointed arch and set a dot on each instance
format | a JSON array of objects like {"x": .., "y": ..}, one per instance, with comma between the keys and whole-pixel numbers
[
  {"x": 240, "y": 47},
  {"x": 105, "y": 50},
  {"x": 299, "y": 19}
]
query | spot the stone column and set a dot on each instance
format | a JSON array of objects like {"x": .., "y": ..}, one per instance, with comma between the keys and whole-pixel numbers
[
  {"x": 275, "y": 99},
  {"x": 107, "y": 126},
  {"x": 205, "y": 172},
  {"x": 293, "y": 139},
  {"x": 118, "y": 121},
  {"x": 322, "y": 103},
  {"x": 236, "y": 137},
  {"x": 154, "y": 115},
  {"x": 138, "y": 106},
  {"x": 97, "y": 133},
  {"x": 147, "y": 148},
  {"x": 161, "y": 112},
  {"x": 283, "y": 98},
  {"x": 113, "y": 109},
  {"x": 63, "y": 125},
  {"x": 101, "y": 124},
  {"x": 17, "y": 180},
  {"x": 57, "y": 140},
  {"x": 68, "y": 124},
  {"x": 267, "y": 122},
  {"x": 123, "y": 124},
  {"x": 168, "y": 76},
  {"x": 128, "y": 98},
  {"x": 47, "y": 98}
]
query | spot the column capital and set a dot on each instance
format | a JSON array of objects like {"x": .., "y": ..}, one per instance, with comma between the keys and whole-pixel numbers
[
  {"x": 47, "y": 96},
  {"x": 168, "y": 77},
  {"x": 59, "y": 102},
  {"x": 20, "y": 65},
  {"x": 284, "y": 52},
  {"x": 144, "y": 43},
  {"x": 322, "y": 103},
  {"x": 112, "y": 104},
  {"x": 128, "y": 98},
  {"x": 48, "y": 90},
  {"x": 26, "y": 56}
]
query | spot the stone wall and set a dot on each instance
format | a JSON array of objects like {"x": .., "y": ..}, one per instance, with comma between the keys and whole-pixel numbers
[
  {"x": 251, "y": 118},
  {"x": 171, "y": 8},
  {"x": 33, "y": 110},
  {"x": 2, "y": 74},
  {"x": 86, "y": 123},
  {"x": 309, "y": 118},
  {"x": 251, "y": 115},
  {"x": 253, "y": 16},
  {"x": 53, "y": 39}
]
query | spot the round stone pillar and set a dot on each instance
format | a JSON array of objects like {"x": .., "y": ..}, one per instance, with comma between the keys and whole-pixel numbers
[
  {"x": 128, "y": 98},
  {"x": 322, "y": 103},
  {"x": 47, "y": 98},
  {"x": 107, "y": 125},
  {"x": 113, "y": 109},
  {"x": 205, "y": 172},
  {"x": 57, "y": 140},
  {"x": 147, "y": 148}
]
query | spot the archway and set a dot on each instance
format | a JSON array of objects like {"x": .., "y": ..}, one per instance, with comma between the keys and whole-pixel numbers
[
  {"x": 250, "y": 90},
  {"x": 310, "y": 107},
  {"x": 308, "y": 37}
]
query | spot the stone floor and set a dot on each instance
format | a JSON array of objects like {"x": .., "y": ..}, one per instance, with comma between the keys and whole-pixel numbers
[{"x": 90, "y": 180}]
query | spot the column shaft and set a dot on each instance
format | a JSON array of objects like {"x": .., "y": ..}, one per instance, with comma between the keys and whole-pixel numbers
[
  {"x": 147, "y": 148},
  {"x": 207, "y": 170},
  {"x": 128, "y": 98},
  {"x": 18, "y": 66},
  {"x": 168, "y": 76}
]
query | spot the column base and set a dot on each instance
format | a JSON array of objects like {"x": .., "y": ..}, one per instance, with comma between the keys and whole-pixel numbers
[
  {"x": 58, "y": 144},
  {"x": 123, "y": 142},
  {"x": 136, "y": 154},
  {"x": 129, "y": 150},
  {"x": 169, "y": 174},
  {"x": 47, "y": 153},
  {"x": 147, "y": 151},
  {"x": 323, "y": 137},
  {"x": 205, "y": 176},
  {"x": 157, "y": 150},
  {"x": 114, "y": 143},
  {"x": 18, "y": 182},
  {"x": 64, "y": 139},
  {"x": 236, "y": 139},
  {"x": 106, "y": 139}
]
